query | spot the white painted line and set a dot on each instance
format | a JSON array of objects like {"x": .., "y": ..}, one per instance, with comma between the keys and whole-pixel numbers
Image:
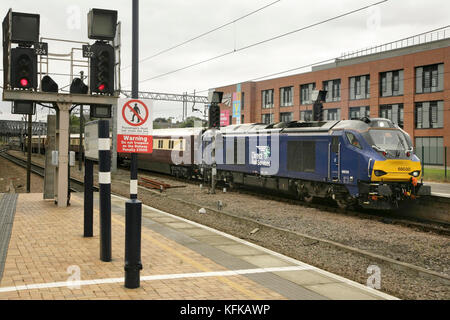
[
  {"x": 229, "y": 273},
  {"x": 276, "y": 254},
  {"x": 104, "y": 177}
]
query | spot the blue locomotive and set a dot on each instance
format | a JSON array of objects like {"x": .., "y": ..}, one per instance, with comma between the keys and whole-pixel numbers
[{"x": 367, "y": 162}]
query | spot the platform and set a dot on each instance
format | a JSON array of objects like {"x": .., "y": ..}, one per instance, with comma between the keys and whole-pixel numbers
[
  {"x": 439, "y": 189},
  {"x": 181, "y": 259}
]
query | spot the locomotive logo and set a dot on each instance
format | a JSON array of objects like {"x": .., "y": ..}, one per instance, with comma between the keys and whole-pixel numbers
[{"x": 261, "y": 156}]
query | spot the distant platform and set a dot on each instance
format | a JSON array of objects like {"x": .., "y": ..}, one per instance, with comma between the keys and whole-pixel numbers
[
  {"x": 439, "y": 189},
  {"x": 181, "y": 260}
]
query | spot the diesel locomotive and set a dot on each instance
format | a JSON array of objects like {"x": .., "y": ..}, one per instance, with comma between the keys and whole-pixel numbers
[{"x": 368, "y": 162}]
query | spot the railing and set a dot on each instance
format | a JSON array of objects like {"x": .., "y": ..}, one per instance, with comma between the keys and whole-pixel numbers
[{"x": 429, "y": 36}]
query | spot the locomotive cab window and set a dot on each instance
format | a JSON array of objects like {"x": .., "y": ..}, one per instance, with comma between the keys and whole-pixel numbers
[{"x": 352, "y": 140}]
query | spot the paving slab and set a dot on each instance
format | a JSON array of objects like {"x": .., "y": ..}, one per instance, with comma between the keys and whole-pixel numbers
[
  {"x": 266, "y": 261},
  {"x": 181, "y": 259},
  {"x": 239, "y": 250},
  {"x": 339, "y": 291},
  {"x": 306, "y": 277}
]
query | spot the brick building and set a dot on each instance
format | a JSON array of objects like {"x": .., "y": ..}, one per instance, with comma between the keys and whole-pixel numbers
[{"x": 406, "y": 81}]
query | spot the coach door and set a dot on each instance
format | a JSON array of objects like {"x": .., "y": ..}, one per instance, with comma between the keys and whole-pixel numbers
[{"x": 334, "y": 159}]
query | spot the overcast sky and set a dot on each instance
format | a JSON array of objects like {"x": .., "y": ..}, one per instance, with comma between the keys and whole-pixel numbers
[{"x": 169, "y": 22}]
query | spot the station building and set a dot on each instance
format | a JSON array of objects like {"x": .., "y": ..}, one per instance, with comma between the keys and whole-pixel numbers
[{"x": 406, "y": 81}]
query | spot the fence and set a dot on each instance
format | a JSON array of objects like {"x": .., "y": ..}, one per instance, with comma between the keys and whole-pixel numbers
[
  {"x": 429, "y": 36},
  {"x": 434, "y": 162}
]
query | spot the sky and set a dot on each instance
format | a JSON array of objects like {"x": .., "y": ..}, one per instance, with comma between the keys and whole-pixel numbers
[{"x": 165, "y": 23}]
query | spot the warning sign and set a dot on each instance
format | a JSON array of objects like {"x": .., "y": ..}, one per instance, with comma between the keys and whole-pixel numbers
[{"x": 134, "y": 126}]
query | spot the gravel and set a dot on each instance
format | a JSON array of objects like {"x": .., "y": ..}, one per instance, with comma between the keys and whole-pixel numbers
[{"x": 427, "y": 250}]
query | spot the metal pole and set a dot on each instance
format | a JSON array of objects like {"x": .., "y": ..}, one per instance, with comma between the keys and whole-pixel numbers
[
  {"x": 88, "y": 197},
  {"x": 445, "y": 161},
  {"x": 423, "y": 160},
  {"x": 80, "y": 147},
  {"x": 104, "y": 181},
  {"x": 214, "y": 165},
  {"x": 29, "y": 154},
  {"x": 39, "y": 140},
  {"x": 133, "y": 207},
  {"x": 114, "y": 138}
]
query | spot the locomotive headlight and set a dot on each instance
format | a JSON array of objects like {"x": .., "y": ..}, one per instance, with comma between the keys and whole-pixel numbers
[
  {"x": 379, "y": 173},
  {"x": 415, "y": 173}
]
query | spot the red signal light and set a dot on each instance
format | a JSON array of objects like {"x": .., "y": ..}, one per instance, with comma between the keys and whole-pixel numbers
[
  {"x": 24, "y": 82},
  {"x": 408, "y": 154},
  {"x": 101, "y": 87},
  {"x": 384, "y": 153}
]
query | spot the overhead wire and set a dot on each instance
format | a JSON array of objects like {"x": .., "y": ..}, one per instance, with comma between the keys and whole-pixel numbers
[
  {"x": 264, "y": 41},
  {"x": 204, "y": 33}
]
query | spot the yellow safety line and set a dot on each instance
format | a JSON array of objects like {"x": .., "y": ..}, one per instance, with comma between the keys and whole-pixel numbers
[{"x": 190, "y": 261}]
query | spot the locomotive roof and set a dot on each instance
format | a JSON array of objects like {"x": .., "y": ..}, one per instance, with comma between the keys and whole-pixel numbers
[{"x": 308, "y": 126}]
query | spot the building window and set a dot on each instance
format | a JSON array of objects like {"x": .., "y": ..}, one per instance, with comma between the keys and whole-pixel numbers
[
  {"x": 286, "y": 96},
  {"x": 305, "y": 93},
  {"x": 359, "y": 112},
  {"x": 430, "y": 150},
  {"x": 286, "y": 116},
  {"x": 333, "y": 88},
  {"x": 391, "y": 83},
  {"x": 306, "y": 115},
  {"x": 267, "y": 118},
  {"x": 242, "y": 100},
  {"x": 331, "y": 114},
  {"x": 393, "y": 112},
  {"x": 360, "y": 87},
  {"x": 429, "y": 114},
  {"x": 430, "y": 78},
  {"x": 242, "y": 118},
  {"x": 267, "y": 99}
]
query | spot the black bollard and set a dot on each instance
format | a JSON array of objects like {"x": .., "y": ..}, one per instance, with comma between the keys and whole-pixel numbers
[
  {"x": 104, "y": 180},
  {"x": 133, "y": 265},
  {"x": 88, "y": 197}
]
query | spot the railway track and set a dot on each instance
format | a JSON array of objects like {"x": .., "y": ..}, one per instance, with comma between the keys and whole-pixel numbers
[
  {"x": 75, "y": 184},
  {"x": 294, "y": 238},
  {"x": 329, "y": 206}
]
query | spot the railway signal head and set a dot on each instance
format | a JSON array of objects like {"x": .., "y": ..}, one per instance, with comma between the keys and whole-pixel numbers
[
  {"x": 318, "y": 96},
  {"x": 78, "y": 86},
  {"x": 23, "y": 68},
  {"x": 214, "y": 116},
  {"x": 48, "y": 84},
  {"x": 102, "y": 24},
  {"x": 102, "y": 68},
  {"x": 215, "y": 97}
]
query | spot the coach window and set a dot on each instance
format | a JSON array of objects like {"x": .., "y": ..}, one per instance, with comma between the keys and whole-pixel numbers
[{"x": 352, "y": 140}]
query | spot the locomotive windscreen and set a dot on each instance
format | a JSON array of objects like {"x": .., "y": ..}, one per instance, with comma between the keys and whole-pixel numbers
[{"x": 389, "y": 139}]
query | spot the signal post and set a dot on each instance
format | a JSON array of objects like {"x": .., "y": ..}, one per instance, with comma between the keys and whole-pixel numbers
[{"x": 20, "y": 81}]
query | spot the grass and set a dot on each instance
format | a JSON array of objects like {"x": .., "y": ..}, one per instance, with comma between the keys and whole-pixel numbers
[{"x": 436, "y": 174}]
